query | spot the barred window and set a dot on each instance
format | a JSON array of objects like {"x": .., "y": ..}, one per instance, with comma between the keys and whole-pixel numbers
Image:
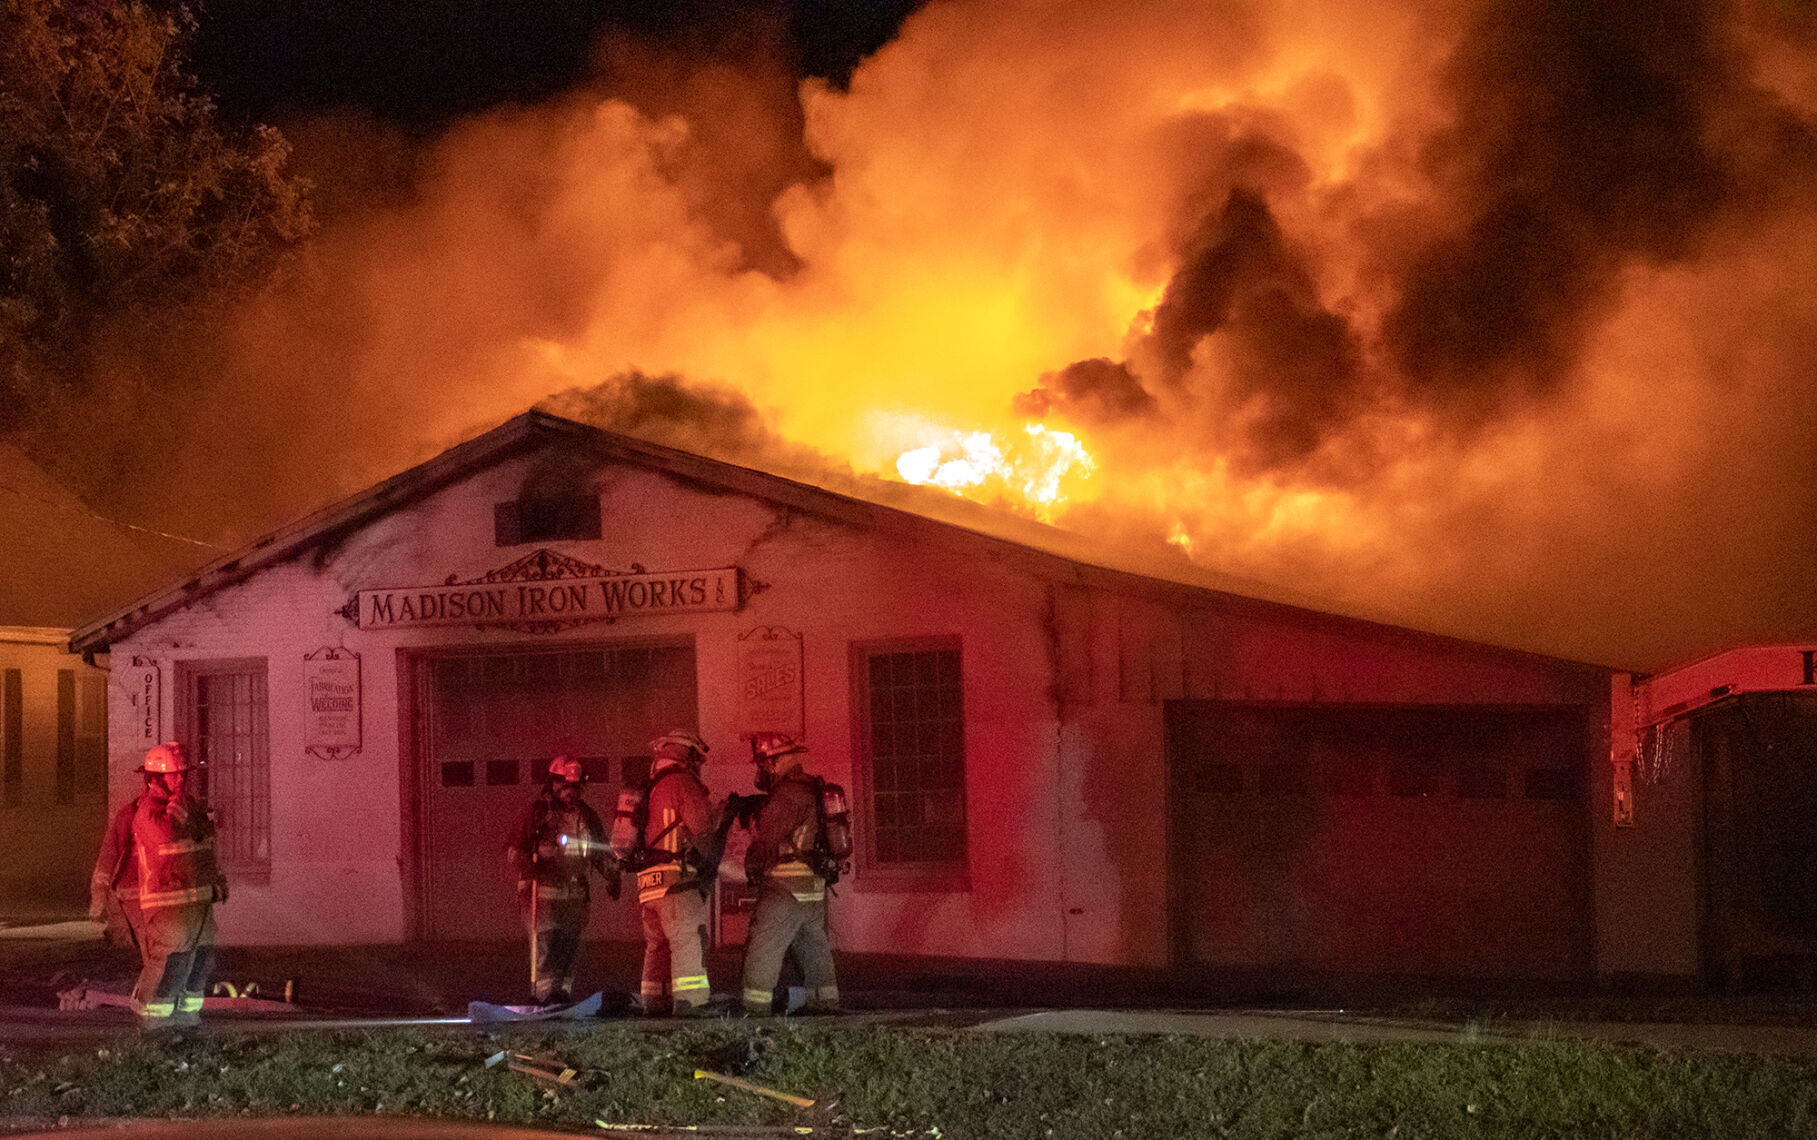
[
  {"x": 227, "y": 731},
  {"x": 913, "y": 746}
]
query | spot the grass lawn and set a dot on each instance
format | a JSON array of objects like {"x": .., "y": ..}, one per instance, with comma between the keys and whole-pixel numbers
[{"x": 927, "y": 1082}]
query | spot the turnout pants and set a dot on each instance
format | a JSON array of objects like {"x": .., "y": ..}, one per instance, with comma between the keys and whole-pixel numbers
[
  {"x": 554, "y": 944},
  {"x": 177, "y": 948},
  {"x": 675, "y": 949},
  {"x": 782, "y": 925}
]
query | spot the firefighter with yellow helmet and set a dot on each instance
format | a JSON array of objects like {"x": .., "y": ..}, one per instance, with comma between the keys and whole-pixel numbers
[
  {"x": 676, "y": 867},
  {"x": 552, "y": 847},
  {"x": 787, "y": 864},
  {"x": 158, "y": 865}
]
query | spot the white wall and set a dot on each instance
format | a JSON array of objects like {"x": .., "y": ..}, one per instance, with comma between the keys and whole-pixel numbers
[{"x": 1064, "y": 694}]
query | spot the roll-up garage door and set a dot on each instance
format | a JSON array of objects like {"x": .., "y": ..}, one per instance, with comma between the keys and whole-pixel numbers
[
  {"x": 492, "y": 721},
  {"x": 1423, "y": 841}
]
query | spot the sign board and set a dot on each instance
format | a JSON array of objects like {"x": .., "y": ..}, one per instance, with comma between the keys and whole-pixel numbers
[
  {"x": 547, "y": 591},
  {"x": 331, "y": 684},
  {"x": 769, "y": 681},
  {"x": 145, "y": 693}
]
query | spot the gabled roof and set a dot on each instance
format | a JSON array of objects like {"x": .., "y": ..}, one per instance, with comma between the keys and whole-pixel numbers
[
  {"x": 1041, "y": 549},
  {"x": 62, "y": 561}
]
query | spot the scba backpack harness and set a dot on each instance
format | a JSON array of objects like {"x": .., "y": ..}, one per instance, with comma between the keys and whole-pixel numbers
[{"x": 832, "y": 855}]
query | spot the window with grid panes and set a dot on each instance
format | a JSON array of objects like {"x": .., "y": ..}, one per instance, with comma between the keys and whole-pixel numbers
[
  {"x": 914, "y": 744},
  {"x": 225, "y": 728},
  {"x": 81, "y": 736}
]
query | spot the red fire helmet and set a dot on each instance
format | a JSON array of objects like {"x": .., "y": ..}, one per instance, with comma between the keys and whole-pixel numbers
[{"x": 565, "y": 767}]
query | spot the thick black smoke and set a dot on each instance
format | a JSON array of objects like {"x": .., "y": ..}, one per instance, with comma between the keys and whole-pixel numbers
[
  {"x": 1584, "y": 138},
  {"x": 1582, "y": 141}
]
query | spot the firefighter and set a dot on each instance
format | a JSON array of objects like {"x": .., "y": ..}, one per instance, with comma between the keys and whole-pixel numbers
[
  {"x": 681, "y": 847},
  {"x": 160, "y": 867},
  {"x": 553, "y": 845},
  {"x": 782, "y": 866}
]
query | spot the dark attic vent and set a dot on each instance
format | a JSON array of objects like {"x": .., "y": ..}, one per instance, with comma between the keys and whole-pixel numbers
[{"x": 546, "y": 519}]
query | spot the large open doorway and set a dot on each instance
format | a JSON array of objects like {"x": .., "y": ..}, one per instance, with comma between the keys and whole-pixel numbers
[
  {"x": 490, "y": 723},
  {"x": 1431, "y": 841},
  {"x": 1759, "y": 760}
]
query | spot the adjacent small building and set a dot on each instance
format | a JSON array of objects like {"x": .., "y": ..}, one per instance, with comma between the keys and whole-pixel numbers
[
  {"x": 59, "y": 564},
  {"x": 1048, "y": 759}
]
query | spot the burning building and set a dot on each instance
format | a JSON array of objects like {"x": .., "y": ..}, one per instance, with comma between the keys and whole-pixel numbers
[{"x": 1050, "y": 759}]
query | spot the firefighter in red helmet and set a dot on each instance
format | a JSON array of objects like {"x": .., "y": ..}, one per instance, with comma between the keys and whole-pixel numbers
[
  {"x": 157, "y": 863},
  {"x": 682, "y": 843},
  {"x": 553, "y": 845},
  {"x": 786, "y": 865}
]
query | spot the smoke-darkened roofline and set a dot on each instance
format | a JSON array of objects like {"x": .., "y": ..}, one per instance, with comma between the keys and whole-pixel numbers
[{"x": 532, "y": 429}]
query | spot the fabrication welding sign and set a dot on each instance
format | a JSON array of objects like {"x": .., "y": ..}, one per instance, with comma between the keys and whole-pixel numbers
[{"x": 551, "y": 600}]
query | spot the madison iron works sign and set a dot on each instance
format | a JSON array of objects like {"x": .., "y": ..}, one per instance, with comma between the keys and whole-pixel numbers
[{"x": 547, "y": 591}]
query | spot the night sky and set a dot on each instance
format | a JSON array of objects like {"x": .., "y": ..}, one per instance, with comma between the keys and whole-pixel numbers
[{"x": 423, "y": 65}]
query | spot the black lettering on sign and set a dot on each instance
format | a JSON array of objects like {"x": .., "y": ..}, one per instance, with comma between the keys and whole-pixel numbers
[
  {"x": 612, "y": 594},
  {"x": 381, "y": 610}
]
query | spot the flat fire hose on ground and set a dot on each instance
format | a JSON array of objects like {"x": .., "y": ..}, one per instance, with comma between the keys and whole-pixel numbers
[{"x": 224, "y": 998}]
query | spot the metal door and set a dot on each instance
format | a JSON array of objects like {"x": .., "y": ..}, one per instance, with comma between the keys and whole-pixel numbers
[
  {"x": 1435, "y": 841},
  {"x": 491, "y": 723}
]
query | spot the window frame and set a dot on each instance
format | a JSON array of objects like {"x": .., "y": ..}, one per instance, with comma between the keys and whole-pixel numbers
[
  {"x": 869, "y": 872},
  {"x": 189, "y": 676},
  {"x": 532, "y": 520}
]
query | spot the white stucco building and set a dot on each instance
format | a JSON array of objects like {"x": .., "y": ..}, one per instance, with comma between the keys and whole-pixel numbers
[{"x": 1048, "y": 760}]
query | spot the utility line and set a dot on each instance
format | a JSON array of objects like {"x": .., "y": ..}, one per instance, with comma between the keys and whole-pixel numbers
[{"x": 103, "y": 518}]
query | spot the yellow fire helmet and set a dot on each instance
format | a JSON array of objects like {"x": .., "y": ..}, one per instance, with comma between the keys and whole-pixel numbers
[
  {"x": 167, "y": 757},
  {"x": 770, "y": 745}
]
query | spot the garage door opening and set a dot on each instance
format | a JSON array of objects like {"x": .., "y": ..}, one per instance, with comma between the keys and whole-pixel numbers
[
  {"x": 490, "y": 723},
  {"x": 1440, "y": 842}
]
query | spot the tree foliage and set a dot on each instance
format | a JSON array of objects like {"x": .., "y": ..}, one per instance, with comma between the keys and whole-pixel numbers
[{"x": 121, "y": 192}]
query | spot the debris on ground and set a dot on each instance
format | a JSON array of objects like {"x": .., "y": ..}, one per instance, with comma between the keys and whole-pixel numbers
[
  {"x": 759, "y": 1131},
  {"x": 543, "y": 1068},
  {"x": 482, "y": 1011},
  {"x": 748, "y": 1086}
]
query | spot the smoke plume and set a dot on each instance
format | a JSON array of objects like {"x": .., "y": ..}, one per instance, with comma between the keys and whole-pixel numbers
[{"x": 1488, "y": 317}]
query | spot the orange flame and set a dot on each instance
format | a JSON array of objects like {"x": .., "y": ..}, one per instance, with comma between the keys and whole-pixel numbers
[
  {"x": 1015, "y": 186},
  {"x": 1040, "y": 473}
]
